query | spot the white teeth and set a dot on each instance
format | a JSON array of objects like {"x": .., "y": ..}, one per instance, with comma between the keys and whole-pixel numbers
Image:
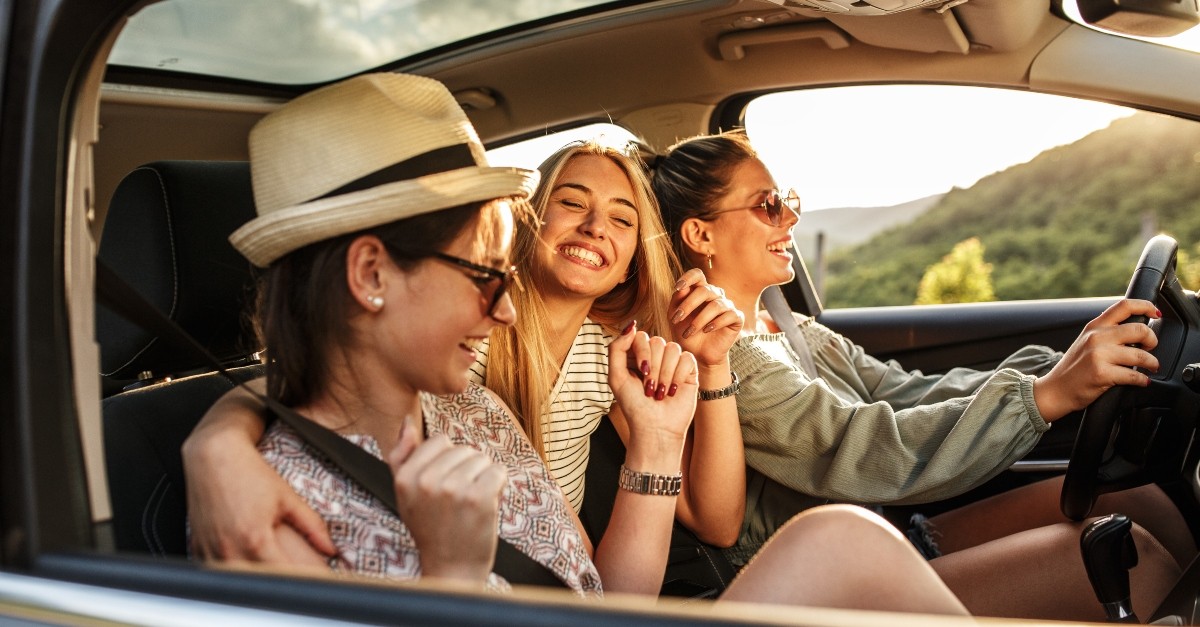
[
  {"x": 474, "y": 344},
  {"x": 582, "y": 254},
  {"x": 779, "y": 247}
]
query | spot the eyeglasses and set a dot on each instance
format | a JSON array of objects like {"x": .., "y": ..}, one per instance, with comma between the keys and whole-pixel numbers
[
  {"x": 493, "y": 284},
  {"x": 773, "y": 205}
]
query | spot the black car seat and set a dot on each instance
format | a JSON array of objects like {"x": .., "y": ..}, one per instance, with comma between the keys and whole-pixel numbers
[{"x": 166, "y": 235}]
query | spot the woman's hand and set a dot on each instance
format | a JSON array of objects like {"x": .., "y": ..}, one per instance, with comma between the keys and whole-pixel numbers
[
  {"x": 655, "y": 384},
  {"x": 1103, "y": 355},
  {"x": 237, "y": 503},
  {"x": 704, "y": 321},
  {"x": 449, "y": 498}
]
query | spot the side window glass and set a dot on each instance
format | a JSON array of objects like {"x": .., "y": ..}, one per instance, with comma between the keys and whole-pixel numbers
[
  {"x": 530, "y": 153},
  {"x": 933, "y": 194}
]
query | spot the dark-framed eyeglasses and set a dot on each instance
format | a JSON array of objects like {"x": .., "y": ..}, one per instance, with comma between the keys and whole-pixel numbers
[
  {"x": 492, "y": 284},
  {"x": 773, "y": 206}
]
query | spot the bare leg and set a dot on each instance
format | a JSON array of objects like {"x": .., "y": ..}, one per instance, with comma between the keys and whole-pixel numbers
[
  {"x": 845, "y": 557},
  {"x": 1039, "y": 573},
  {"x": 1036, "y": 505}
]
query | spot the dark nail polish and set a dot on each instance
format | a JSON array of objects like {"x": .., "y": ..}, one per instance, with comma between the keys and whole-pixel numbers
[
  {"x": 677, "y": 316},
  {"x": 650, "y": 387},
  {"x": 688, "y": 332},
  {"x": 629, "y": 327},
  {"x": 709, "y": 328},
  {"x": 660, "y": 392},
  {"x": 645, "y": 367},
  {"x": 672, "y": 390},
  {"x": 1157, "y": 313}
]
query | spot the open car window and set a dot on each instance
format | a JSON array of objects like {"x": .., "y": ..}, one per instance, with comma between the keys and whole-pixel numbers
[
  {"x": 529, "y": 153},
  {"x": 925, "y": 194}
]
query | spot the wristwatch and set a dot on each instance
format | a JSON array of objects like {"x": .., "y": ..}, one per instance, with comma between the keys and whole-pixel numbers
[
  {"x": 725, "y": 392},
  {"x": 650, "y": 483}
]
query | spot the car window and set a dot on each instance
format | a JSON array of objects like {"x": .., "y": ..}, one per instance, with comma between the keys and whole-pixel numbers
[
  {"x": 530, "y": 153},
  {"x": 923, "y": 194},
  {"x": 309, "y": 41}
]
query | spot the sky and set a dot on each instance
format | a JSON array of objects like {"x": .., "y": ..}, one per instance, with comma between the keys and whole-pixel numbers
[{"x": 884, "y": 145}]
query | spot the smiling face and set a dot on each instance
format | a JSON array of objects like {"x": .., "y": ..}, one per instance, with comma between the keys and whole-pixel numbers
[
  {"x": 589, "y": 231},
  {"x": 748, "y": 253},
  {"x": 441, "y": 308}
]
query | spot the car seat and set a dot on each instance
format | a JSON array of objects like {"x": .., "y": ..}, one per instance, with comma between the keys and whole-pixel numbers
[{"x": 166, "y": 234}]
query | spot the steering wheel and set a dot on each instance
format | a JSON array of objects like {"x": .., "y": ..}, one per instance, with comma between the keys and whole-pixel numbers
[{"x": 1088, "y": 473}]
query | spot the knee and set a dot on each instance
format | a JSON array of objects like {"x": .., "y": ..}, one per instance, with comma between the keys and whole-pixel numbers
[{"x": 838, "y": 523}]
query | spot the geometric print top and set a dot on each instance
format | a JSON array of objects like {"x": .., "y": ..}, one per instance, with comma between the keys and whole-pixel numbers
[
  {"x": 370, "y": 538},
  {"x": 580, "y": 398}
]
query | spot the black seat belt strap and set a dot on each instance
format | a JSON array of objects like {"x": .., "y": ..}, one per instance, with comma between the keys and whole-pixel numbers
[
  {"x": 781, "y": 313},
  {"x": 367, "y": 470}
]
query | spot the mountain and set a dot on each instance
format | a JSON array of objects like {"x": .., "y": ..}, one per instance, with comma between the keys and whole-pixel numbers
[
  {"x": 849, "y": 226},
  {"x": 1068, "y": 223}
]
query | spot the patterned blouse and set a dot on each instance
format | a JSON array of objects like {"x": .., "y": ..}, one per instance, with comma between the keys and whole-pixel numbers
[
  {"x": 581, "y": 397},
  {"x": 371, "y": 539}
]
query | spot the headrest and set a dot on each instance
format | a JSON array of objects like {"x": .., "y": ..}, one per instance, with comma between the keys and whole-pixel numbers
[{"x": 166, "y": 234}]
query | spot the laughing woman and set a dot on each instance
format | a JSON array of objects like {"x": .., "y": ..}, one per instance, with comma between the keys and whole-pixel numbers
[
  {"x": 850, "y": 428},
  {"x": 374, "y": 297},
  {"x": 597, "y": 258}
]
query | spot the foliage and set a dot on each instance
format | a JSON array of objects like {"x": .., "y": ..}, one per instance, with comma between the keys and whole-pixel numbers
[
  {"x": 1069, "y": 223},
  {"x": 960, "y": 277}
]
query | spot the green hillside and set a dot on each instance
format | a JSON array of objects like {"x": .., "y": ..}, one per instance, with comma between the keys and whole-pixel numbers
[{"x": 1071, "y": 222}]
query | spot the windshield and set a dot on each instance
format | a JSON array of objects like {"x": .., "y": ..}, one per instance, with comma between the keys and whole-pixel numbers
[{"x": 311, "y": 41}]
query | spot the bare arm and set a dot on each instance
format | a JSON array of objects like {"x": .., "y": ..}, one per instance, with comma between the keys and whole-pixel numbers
[
  {"x": 713, "y": 501},
  {"x": 238, "y": 504},
  {"x": 632, "y": 555}
]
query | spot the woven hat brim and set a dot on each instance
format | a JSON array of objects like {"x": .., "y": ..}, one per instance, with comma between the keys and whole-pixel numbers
[{"x": 269, "y": 237}]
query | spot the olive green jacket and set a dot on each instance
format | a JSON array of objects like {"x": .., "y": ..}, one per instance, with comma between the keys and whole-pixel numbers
[{"x": 870, "y": 432}]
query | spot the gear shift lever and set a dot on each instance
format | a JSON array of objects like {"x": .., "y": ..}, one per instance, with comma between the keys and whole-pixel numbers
[{"x": 1108, "y": 554}]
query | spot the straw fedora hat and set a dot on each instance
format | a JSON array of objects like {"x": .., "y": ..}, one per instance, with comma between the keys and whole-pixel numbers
[{"x": 364, "y": 152}]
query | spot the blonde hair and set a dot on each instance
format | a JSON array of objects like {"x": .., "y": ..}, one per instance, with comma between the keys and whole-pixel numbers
[{"x": 521, "y": 367}]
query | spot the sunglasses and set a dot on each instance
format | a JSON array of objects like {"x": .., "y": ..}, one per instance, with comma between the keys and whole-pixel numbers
[
  {"x": 492, "y": 284},
  {"x": 773, "y": 205}
]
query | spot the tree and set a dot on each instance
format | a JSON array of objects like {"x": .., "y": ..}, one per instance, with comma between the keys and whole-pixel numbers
[{"x": 960, "y": 277}]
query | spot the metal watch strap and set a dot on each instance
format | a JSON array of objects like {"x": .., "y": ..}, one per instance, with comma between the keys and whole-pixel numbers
[
  {"x": 725, "y": 392},
  {"x": 650, "y": 483}
]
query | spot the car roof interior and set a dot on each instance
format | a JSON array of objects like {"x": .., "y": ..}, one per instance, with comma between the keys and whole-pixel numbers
[{"x": 668, "y": 70}]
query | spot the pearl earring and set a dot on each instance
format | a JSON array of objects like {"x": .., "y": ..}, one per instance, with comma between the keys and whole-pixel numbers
[{"x": 375, "y": 301}]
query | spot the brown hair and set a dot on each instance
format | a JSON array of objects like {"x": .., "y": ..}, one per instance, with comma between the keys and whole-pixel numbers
[
  {"x": 303, "y": 300},
  {"x": 693, "y": 174}
]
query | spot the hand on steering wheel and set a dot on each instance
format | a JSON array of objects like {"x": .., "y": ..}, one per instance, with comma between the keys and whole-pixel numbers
[{"x": 1088, "y": 473}]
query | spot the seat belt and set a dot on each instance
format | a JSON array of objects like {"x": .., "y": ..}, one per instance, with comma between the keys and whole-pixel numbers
[
  {"x": 370, "y": 472},
  {"x": 781, "y": 313}
]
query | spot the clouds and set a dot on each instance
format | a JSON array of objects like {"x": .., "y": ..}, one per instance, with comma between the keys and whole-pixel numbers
[{"x": 305, "y": 41}]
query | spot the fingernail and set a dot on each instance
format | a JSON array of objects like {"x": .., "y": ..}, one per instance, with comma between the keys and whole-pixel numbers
[
  {"x": 650, "y": 387},
  {"x": 688, "y": 332},
  {"x": 709, "y": 328},
  {"x": 677, "y": 316},
  {"x": 660, "y": 392},
  {"x": 672, "y": 390},
  {"x": 629, "y": 326},
  {"x": 679, "y": 284},
  {"x": 645, "y": 367},
  {"x": 1157, "y": 313}
]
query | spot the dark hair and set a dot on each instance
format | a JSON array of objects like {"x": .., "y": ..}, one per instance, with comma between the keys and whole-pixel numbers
[
  {"x": 303, "y": 301},
  {"x": 693, "y": 174}
]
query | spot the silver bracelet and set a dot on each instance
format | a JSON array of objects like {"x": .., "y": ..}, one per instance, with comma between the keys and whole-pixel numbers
[
  {"x": 650, "y": 483},
  {"x": 719, "y": 393}
]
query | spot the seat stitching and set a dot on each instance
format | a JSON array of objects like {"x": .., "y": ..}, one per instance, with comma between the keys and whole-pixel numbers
[
  {"x": 149, "y": 531},
  {"x": 162, "y": 186}
]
